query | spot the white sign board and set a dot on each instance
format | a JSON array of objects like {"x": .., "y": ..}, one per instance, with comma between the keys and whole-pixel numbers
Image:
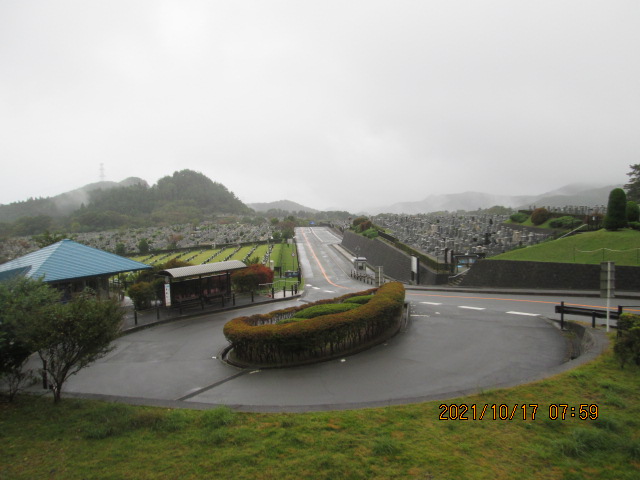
[{"x": 167, "y": 294}]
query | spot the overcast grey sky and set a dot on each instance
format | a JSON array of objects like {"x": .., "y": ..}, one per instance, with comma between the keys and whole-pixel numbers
[{"x": 332, "y": 104}]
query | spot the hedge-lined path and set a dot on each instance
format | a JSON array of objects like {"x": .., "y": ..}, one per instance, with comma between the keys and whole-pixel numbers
[{"x": 444, "y": 352}]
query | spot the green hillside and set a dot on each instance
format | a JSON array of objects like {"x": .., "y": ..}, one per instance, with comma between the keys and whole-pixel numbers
[
  {"x": 184, "y": 197},
  {"x": 621, "y": 247}
]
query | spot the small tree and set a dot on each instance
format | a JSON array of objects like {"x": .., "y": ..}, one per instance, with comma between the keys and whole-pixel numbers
[
  {"x": 142, "y": 294},
  {"x": 250, "y": 278},
  {"x": 616, "y": 217},
  {"x": 22, "y": 301},
  {"x": 364, "y": 226},
  {"x": 357, "y": 221},
  {"x": 68, "y": 337},
  {"x": 121, "y": 249},
  {"x": 540, "y": 215},
  {"x": 143, "y": 246}
]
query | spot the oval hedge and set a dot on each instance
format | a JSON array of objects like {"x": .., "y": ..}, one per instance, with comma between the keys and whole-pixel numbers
[
  {"x": 360, "y": 299},
  {"x": 319, "y": 310},
  {"x": 258, "y": 340}
]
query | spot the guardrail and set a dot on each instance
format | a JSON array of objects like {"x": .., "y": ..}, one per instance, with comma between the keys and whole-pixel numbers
[{"x": 594, "y": 313}]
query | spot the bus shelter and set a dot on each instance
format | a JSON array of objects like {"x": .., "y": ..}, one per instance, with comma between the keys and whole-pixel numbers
[{"x": 198, "y": 283}]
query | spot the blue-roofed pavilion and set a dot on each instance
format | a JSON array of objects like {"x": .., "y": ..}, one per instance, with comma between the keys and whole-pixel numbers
[{"x": 70, "y": 265}]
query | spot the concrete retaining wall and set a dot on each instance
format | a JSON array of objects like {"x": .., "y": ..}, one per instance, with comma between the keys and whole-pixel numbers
[
  {"x": 396, "y": 263},
  {"x": 546, "y": 275}
]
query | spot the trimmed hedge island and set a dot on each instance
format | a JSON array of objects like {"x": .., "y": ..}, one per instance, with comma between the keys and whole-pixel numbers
[{"x": 265, "y": 340}]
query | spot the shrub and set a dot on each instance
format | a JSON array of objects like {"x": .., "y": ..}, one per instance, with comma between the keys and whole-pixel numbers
[
  {"x": 540, "y": 215},
  {"x": 360, "y": 299},
  {"x": 257, "y": 340},
  {"x": 519, "y": 217},
  {"x": 289, "y": 320},
  {"x": 366, "y": 225},
  {"x": 634, "y": 225},
  {"x": 370, "y": 233},
  {"x": 250, "y": 278},
  {"x": 319, "y": 310},
  {"x": 627, "y": 346},
  {"x": 142, "y": 294},
  {"x": 565, "y": 222},
  {"x": 358, "y": 220}
]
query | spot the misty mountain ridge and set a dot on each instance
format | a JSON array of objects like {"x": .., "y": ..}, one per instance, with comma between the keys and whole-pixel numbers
[
  {"x": 284, "y": 205},
  {"x": 573, "y": 194},
  {"x": 62, "y": 204},
  {"x": 70, "y": 201},
  {"x": 184, "y": 197}
]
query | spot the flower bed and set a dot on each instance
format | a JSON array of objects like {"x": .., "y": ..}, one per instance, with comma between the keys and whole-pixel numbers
[{"x": 257, "y": 340}]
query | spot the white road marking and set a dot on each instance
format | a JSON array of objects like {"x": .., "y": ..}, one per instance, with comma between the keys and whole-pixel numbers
[
  {"x": 523, "y": 313},
  {"x": 417, "y": 315},
  {"x": 431, "y": 303},
  {"x": 471, "y": 308}
]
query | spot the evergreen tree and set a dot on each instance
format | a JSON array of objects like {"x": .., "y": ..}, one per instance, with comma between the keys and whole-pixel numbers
[
  {"x": 143, "y": 246},
  {"x": 633, "y": 211},
  {"x": 616, "y": 217},
  {"x": 633, "y": 187}
]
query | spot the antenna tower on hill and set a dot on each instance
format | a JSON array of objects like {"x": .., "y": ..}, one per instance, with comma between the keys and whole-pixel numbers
[{"x": 102, "y": 172}]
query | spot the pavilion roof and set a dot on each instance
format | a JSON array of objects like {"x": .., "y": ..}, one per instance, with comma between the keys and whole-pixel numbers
[
  {"x": 204, "y": 269},
  {"x": 68, "y": 260}
]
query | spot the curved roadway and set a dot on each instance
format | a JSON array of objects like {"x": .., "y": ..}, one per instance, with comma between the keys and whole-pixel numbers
[{"x": 453, "y": 345}]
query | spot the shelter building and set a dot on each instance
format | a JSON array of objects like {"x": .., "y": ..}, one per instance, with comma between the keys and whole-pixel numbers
[
  {"x": 198, "y": 283},
  {"x": 71, "y": 267}
]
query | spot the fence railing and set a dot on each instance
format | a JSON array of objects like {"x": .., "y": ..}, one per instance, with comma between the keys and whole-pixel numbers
[{"x": 629, "y": 257}]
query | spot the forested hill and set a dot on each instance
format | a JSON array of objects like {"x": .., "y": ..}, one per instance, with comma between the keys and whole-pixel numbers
[{"x": 184, "y": 197}]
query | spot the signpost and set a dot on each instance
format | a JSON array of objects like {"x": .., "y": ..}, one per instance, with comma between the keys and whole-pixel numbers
[
  {"x": 167, "y": 294},
  {"x": 607, "y": 284},
  {"x": 379, "y": 275}
]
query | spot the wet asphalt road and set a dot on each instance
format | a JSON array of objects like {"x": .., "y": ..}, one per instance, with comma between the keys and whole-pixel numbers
[{"x": 453, "y": 345}]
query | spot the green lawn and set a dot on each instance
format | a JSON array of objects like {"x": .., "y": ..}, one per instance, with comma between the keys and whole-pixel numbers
[
  {"x": 621, "y": 247},
  {"x": 285, "y": 256},
  {"x": 80, "y": 439}
]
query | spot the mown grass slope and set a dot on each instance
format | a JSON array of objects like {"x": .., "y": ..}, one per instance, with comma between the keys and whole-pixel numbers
[
  {"x": 80, "y": 439},
  {"x": 621, "y": 247}
]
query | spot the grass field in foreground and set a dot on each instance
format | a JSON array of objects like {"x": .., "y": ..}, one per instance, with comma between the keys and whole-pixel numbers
[
  {"x": 80, "y": 439},
  {"x": 621, "y": 247}
]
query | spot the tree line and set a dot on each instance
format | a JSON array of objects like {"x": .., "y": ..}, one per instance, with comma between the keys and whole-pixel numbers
[{"x": 184, "y": 197}]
